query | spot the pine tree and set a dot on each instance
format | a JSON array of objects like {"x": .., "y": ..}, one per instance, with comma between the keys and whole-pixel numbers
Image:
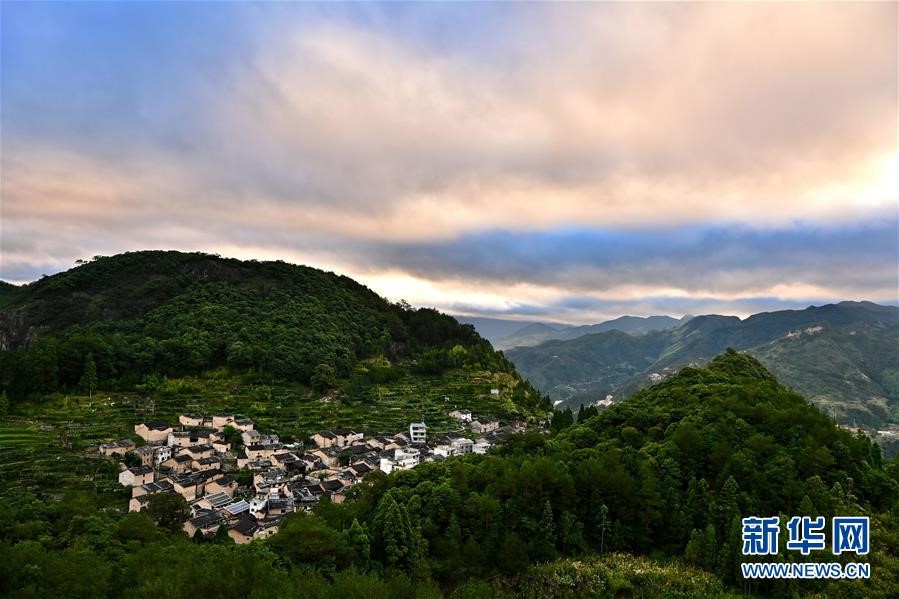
[
  {"x": 807, "y": 508},
  {"x": 697, "y": 503},
  {"x": 546, "y": 545},
  {"x": 604, "y": 524},
  {"x": 398, "y": 541},
  {"x": 358, "y": 541},
  {"x": 561, "y": 420},
  {"x": 727, "y": 506},
  {"x": 89, "y": 378},
  {"x": 702, "y": 548}
]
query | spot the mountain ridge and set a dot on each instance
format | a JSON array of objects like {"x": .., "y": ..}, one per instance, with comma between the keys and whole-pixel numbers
[
  {"x": 536, "y": 333},
  {"x": 585, "y": 370}
]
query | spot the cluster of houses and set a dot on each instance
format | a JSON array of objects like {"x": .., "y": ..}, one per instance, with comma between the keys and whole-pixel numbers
[{"x": 196, "y": 459}]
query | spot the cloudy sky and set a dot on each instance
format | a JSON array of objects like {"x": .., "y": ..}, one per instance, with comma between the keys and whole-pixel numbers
[{"x": 567, "y": 162}]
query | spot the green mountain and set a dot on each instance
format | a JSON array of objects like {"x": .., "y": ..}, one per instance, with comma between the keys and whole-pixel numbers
[
  {"x": 141, "y": 316},
  {"x": 844, "y": 357},
  {"x": 598, "y": 362},
  {"x": 532, "y": 334},
  {"x": 537, "y": 333},
  {"x": 494, "y": 329}
]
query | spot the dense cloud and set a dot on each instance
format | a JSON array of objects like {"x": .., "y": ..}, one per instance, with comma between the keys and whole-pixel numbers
[{"x": 571, "y": 160}]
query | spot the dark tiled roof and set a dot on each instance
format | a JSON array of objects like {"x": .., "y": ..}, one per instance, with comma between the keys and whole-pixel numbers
[
  {"x": 160, "y": 486},
  {"x": 332, "y": 485},
  {"x": 246, "y": 526},
  {"x": 207, "y": 519}
]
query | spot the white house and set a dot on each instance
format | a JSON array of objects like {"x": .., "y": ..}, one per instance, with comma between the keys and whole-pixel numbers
[
  {"x": 462, "y": 415},
  {"x": 258, "y": 503},
  {"x": 480, "y": 447},
  {"x": 162, "y": 454},
  {"x": 418, "y": 432},
  {"x": 444, "y": 450},
  {"x": 462, "y": 446},
  {"x": 403, "y": 459}
]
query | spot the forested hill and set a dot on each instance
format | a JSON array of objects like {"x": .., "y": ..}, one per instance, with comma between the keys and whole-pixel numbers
[
  {"x": 167, "y": 313},
  {"x": 669, "y": 473}
]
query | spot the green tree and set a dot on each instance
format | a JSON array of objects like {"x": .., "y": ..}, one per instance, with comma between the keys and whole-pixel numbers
[
  {"x": 169, "y": 510},
  {"x": 561, "y": 420},
  {"x": 222, "y": 537},
  {"x": 727, "y": 506},
  {"x": 399, "y": 541},
  {"x": 232, "y": 436},
  {"x": 571, "y": 533},
  {"x": 89, "y": 377},
  {"x": 44, "y": 357},
  {"x": 323, "y": 377},
  {"x": 395, "y": 533},
  {"x": 137, "y": 526},
  {"x": 306, "y": 539},
  {"x": 605, "y": 525},
  {"x": 513, "y": 556},
  {"x": 359, "y": 543},
  {"x": 702, "y": 548},
  {"x": 131, "y": 459},
  {"x": 546, "y": 534}
]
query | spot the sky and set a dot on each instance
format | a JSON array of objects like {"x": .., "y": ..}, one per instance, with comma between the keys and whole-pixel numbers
[{"x": 566, "y": 162}]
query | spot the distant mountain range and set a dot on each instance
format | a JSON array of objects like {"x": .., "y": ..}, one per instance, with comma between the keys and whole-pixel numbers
[
  {"x": 495, "y": 329},
  {"x": 843, "y": 357},
  {"x": 505, "y": 334}
]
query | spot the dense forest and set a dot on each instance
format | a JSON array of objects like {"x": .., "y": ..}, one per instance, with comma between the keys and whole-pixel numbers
[
  {"x": 130, "y": 320},
  {"x": 666, "y": 475}
]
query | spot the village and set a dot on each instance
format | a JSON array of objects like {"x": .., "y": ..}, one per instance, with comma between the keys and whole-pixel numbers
[{"x": 203, "y": 459}]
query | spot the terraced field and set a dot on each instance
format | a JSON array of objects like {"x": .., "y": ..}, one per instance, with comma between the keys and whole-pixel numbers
[
  {"x": 22, "y": 434},
  {"x": 56, "y": 447}
]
